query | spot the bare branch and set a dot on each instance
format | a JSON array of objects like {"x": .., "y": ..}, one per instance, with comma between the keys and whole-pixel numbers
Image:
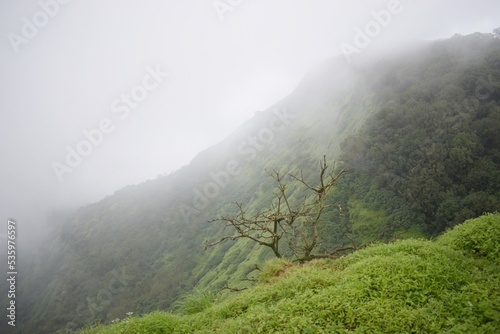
[
  {"x": 297, "y": 223},
  {"x": 333, "y": 254}
]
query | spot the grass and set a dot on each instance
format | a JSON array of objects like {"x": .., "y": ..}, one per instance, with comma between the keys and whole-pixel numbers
[
  {"x": 195, "y": 301},
  {"x": 449, "y": 285}
]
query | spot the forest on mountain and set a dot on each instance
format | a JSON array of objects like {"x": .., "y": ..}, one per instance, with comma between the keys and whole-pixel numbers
[
  {"x": 435, "y": 141},
  {"x": 418, "y": 132}
]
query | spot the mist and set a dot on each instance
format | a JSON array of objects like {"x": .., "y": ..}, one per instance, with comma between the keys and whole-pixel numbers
[{"x": 96, "y": 96}]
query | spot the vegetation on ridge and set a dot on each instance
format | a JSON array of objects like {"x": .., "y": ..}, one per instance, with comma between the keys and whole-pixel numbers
[{"x": 448, "y": 285}]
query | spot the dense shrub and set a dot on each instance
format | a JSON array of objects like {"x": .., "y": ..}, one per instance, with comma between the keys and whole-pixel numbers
[{"x": 479, "y": 237}]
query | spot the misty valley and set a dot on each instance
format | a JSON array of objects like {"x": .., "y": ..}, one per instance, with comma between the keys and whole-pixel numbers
[{"x": 365, "y": 201}]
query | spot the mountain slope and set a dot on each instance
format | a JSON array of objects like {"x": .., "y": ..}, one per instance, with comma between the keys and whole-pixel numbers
[
  {"x": 418, "y": 130},
  {"x": 410, "y": 286}
]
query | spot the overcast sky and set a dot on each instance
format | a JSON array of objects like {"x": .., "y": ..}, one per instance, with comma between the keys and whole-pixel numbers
[{"x": 70, "y": 66}]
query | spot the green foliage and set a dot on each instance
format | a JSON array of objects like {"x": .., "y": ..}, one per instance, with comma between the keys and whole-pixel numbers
[
  {"x": 368, "y": 223},
  {"x": 434, "y": 141},
  {"x": 478, "y": 237},
  {"x": 195, "y": 301},
  {"x": 409, "y": 286},
  {"x": 273, "y": 268},
  {"x": 154, "y": 323}
]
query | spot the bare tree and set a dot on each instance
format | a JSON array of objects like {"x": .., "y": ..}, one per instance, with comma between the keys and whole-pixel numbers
[{"x": 297, "y": 223}]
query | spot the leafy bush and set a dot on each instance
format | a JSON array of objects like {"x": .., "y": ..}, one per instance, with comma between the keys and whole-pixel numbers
[
  {"x": 479, "y": 236},
  {"x": 273, "y": 268}
]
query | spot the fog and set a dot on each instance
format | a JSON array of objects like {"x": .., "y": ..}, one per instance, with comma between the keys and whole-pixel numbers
[{"x": 99, "y": 95}]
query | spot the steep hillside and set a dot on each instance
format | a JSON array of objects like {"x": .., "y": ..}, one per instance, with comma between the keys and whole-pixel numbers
[
  {"x": 449, "y": 285},
  {"x": 418, "y": 131}
]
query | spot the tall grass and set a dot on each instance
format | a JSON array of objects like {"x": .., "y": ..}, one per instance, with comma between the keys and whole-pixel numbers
[{"x": 194, "y": 302}]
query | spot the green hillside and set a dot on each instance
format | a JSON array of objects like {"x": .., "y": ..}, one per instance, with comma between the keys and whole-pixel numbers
[
  {"x": 449, "y": 285},
  {"x": 418, "y": 132}
]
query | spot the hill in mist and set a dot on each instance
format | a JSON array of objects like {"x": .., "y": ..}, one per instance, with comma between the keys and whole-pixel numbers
[{"x": 417, "y": 130}]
